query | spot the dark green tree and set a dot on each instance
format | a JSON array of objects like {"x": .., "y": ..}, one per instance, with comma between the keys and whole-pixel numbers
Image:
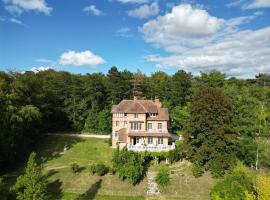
[
  {"x": 209, "y": 129},
  {"x": 32, "y": 184}
]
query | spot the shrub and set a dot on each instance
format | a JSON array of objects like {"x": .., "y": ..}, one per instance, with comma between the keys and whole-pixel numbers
[
  {"x": 93, "y": 169},
  {"x": 99, "y": 169},
  {"x": 163, "y": 177},
  {"x": 129, "y": 164},
  {"x": 110, "y": 141},
  {"x": 197, "y": 170},
  {"x": 174, "y": 155},
  {"x": 75, "y": 168},
  {"x": 235, "y": 186}
]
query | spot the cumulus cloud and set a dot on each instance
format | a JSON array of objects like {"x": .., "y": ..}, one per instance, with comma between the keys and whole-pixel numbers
[
  {"x": 198, "y": 42},
  {"x": 93, "y": 10},
  {"x": 40, "y": 69},
  {"x": 84, "y": 58},
  {"x": 133, "y": 1},
  {"x": 19, "y": 6},
  {"x": 184, "y": 26},
  {"x": 145, "y": 11}
]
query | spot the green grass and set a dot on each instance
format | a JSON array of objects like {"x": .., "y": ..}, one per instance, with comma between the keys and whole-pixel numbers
[{"x": 63, "y": 184}]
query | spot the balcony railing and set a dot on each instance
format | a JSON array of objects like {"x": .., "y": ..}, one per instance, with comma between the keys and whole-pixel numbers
[{"x": 139, "y": 147}]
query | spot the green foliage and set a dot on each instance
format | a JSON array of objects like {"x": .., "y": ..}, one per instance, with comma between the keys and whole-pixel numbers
[
  {"x": 197, "y": 170},
  {"x": 163, "y": 177},
  {"x": 99, "y": 169},
  {"x": 75, "y": 168},
  {"x": 129, "y": 164},
  {"x": 235, "y": 186},
  {"x": 174, "y": 155},
  {"x": 210, "y": 136},
  {"x": 178, "y": 117},
  {"x": 32, "y": 184}
]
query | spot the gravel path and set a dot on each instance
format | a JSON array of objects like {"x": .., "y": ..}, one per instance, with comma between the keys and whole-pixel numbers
[{"x": 152, "y": 187}]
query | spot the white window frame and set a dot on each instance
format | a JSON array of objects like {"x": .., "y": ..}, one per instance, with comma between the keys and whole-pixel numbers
[
  {"x": 150, "y": 140},
  {"x": 149, "y": 129},
  {"x": 159, "y": 126},
  {"x": 160, "y": 140}
]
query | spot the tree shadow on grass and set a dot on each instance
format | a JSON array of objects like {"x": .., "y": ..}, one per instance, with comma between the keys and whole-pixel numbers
[
  {"x": 55, "y": 190},
  {"x": 91, "y": 193},
  {"x": 51, "y": 147}
]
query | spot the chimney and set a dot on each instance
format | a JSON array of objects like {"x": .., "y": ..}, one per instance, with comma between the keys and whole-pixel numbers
[{"x": 158, "y": 103}]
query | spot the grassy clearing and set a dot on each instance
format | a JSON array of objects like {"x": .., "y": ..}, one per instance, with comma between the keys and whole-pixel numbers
[{"x": 64, "y": 184}]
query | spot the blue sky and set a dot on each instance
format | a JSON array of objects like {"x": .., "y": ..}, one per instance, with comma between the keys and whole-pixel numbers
[{"x": 85, "y": 36}]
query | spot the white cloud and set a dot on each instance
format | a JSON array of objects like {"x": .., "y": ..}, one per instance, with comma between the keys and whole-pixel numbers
[
  {"x": 124, "y": 32},
  {"x": 145, "y": 11},
  {"x": 198, "y": 42},
  {"x": 258, "y": 4},
  {"x": 18, "y": 6},
  {"x": 250, "y": 4},
  {"x": 182, "y": 27},
  {"x": 93, "y": 9},
  {"x": 40, "y": 69},
  {"x": 86, "y": 58},
  {"x": 16, "y": 21},
  {"x": 133, "y": 1}
]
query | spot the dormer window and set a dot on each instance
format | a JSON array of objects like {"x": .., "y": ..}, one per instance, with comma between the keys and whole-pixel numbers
[
  {"x": 153, "y": 114},
  {"x": 125, "y": 114}
]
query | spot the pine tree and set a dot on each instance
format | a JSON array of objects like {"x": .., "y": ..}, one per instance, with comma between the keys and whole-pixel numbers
[{"x": 32, "y": 184}]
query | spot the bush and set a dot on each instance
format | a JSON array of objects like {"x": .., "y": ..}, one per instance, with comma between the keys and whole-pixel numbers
[
  {"x": 174, "y": 155},
  {"x": 75, "y": 168},
  {"x": 235, "y": 186},
  {"x": 163, "y": 177},
  {"x": 129, "y": 164},
  {"x": 197, "y": 170},
  {"x": 99, "y": 169},
  {"x": 110, "y": 141}
]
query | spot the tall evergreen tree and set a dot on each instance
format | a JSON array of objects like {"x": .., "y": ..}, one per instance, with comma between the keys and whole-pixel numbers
[{"x": 32, "y": 184}]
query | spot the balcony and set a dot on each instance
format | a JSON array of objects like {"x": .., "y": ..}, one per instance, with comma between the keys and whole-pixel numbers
[{"x": 157, "y": 148}]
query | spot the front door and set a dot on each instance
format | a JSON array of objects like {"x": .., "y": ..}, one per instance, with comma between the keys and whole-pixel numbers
[{"x": 134, "y": 140}]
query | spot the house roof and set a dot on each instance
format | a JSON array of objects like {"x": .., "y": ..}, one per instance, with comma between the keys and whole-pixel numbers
[
  {"x": 135, "y": 106},
  {"x": 163, "y": 114}
]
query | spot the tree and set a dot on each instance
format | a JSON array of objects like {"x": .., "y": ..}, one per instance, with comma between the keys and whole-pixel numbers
[
  {"x": 181, "y": 88},
  {"x": 129, "y": 164},
  {"x": 209, "y": 131},
  {"x": 211, "y": 79},
  {"x": 32, "y": 184},
  {"x": 235, "y": 186}
]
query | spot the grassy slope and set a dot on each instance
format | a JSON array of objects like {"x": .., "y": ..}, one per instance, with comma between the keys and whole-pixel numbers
[{"x": 66, "y": 185}]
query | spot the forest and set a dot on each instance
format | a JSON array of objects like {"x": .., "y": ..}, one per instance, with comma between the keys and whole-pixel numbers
[{"x": 32, "y": 104}]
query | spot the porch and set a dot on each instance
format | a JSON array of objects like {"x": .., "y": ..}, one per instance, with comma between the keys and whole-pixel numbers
[{"x": 157, "y": 148}]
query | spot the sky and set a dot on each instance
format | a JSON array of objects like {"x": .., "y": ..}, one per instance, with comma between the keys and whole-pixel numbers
[{"x": 86, "y": 36}]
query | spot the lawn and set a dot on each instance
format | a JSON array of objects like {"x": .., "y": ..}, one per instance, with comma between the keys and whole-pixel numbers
[{"x": 64, "y": 184}]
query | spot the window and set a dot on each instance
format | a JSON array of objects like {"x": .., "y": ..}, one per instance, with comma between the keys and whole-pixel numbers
[
  {"x": 150, "y": 140},
  {"x": 137, "y": 140},
  {"x": 116, "y": 123},
  {"x": 149, "y": 126},
  {"x": 125, "y": 123},
  {"x": 153, "y": 114},
  {"x": 136, "y": 126},
  {"x": 160, "y": 140},
  {"x": 125, "y": 114},
  {"x": 159, "y": 126},
  {"x": 116, "y": 134},
  {"x": 136, "y": 115}
]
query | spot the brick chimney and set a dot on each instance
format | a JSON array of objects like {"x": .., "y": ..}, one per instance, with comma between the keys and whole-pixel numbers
[{"x": 158, "y": 103}]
